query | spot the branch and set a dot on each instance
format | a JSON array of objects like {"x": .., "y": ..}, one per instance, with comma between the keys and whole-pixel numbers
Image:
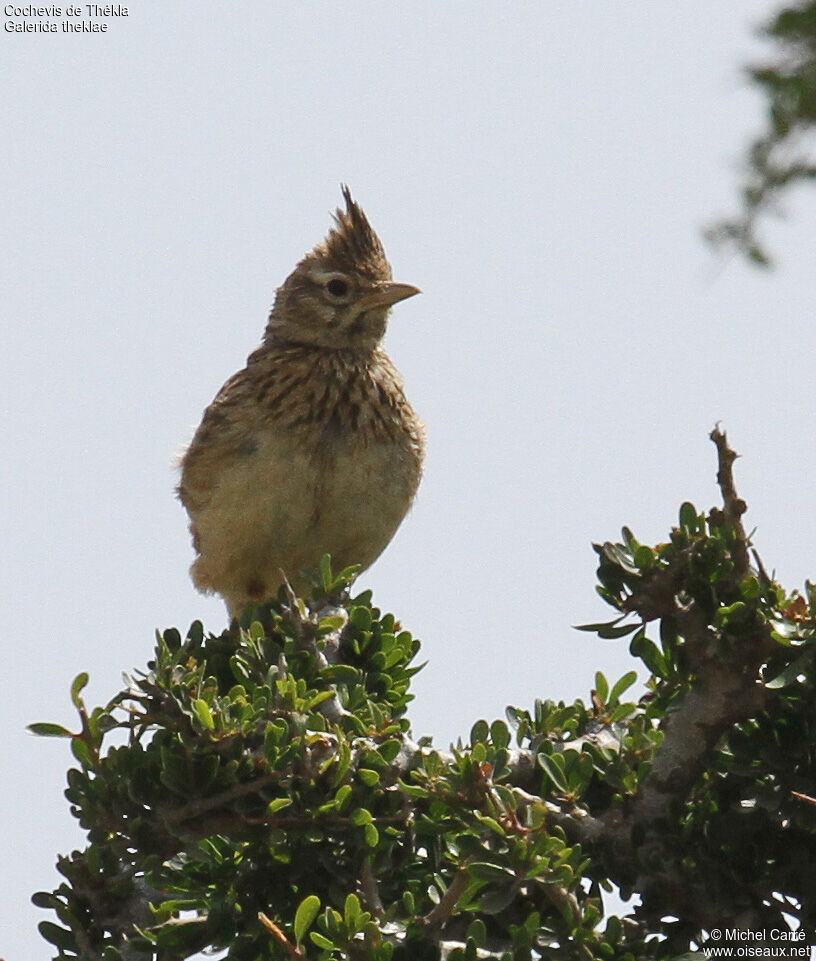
[
  {"x": 443, "y": 910},
  {"x": 734, "y": 506},
  {"x": 564, "y": 902},
  {"x": 726, "y": 690},
  {"x": 203, "y": 805},
  {"x": 724, "y": 695},
  {"x": 281, "y": 938},
  {"x": 370, "y": 890}
]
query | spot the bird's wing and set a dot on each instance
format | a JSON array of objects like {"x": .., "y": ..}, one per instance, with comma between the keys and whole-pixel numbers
[{"x": 225, "y": 435}]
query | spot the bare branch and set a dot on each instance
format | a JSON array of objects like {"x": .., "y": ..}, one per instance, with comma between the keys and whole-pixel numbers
[{"x": 733, "y": 505}]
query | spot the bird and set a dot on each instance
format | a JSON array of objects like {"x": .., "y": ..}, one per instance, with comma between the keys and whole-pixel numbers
[{"x": 312, "y": 448}]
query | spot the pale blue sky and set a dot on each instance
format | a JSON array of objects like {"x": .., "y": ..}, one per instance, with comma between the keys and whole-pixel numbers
[{"x": 541, "y": 171}]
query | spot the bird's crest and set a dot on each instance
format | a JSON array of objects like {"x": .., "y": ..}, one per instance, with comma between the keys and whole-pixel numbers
[{"x": 352, "y": 242}]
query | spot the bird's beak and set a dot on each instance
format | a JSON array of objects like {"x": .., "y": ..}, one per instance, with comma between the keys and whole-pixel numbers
[{"x": 387, "y": 294}]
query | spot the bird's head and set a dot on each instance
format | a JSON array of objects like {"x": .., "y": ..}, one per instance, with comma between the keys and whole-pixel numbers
[{"x": 339, "y": 296}]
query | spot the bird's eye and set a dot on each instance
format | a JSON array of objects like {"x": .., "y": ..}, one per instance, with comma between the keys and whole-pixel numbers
[{"x": 337, "y": 287}]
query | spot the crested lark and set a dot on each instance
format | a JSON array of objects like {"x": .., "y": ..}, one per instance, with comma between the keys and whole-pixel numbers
[{"x": 312, "y": 448}]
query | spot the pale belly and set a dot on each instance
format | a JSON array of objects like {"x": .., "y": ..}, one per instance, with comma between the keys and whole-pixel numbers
[{"x": 278, "y": 510}]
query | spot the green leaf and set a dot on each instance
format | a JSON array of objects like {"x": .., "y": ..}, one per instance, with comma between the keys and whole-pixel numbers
[
  {"x": 351, "y": 913},
  {"x": 278, "y": 804},
  {"x": 486, "y": 871},
  {"x": 44, "y": 899},
  {"x": 57, "y": 935},
  {"x": 368, "y": 777},
  {"x": 497, "y": 899},
  {"x": 622, "y": 711},
  {"x": 491, "y": 823},
  {"x": 614, "y": 929},
  {"x": 326, "y": 578},
  {"x": 44, "y": 729},
  {"x": 649, "y": 653},
  {"x": 619, "y": 557},
  {"x": 342, "y": 674},
  {"x": 83, "y": 753},
  {"x": 689, "y": 518},
  {"x": 555, "y": 771},
  {"x": 372, "y": 835},
  {"x": 342, "y": 796},
  {"x": 347, "y": 576},
  {"x": 802, "y": 665},
  {"x": 499, "y": 734},
  {"x": 202, "y": 711},
  {"x": 622, "y": 685},
  {"x": 343, "y": 762},
  {"x": 389, "y": 749},
  {"x": 306, "y": 912},
  {"x": 317, "y": 700},
  {"x": 361, "y": 618},
  {"x": 738, "y": 611},
  {"x": 76, "y": 688},
  {"x": 598, "y": 626},
  {"x": 629, "y": 538},
  {"x": 609, "y": 633},
  {"x": 601, "y": 687},
  {"x": 240, "y": 669},
  {"x": 322, "y": 942},
  {"x": 477, "y": 932},
  {"x": 479, "y": 732}
]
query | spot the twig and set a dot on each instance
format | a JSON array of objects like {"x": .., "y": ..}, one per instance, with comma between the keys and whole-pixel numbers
[
  {"x": 308, "y": 820},
  {"x": 371, "y": 893},
  {"x": 440, "y": 914},
  {"x": 578, "y": 824},
  {"x": 563, "y": 901},
  {"x": 202, "y": 805},
  {"x": 280, "y": 937},
  {"x": 734, "y": 506},
  {"x": 764, "y": 578}
]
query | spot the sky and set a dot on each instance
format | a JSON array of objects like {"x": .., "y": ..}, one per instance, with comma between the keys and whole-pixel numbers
[{"x": 541, "y": 171}]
